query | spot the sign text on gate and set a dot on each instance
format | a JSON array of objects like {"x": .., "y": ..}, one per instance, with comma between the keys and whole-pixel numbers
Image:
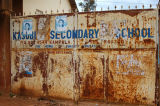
[{"x": 87, "y": 33}]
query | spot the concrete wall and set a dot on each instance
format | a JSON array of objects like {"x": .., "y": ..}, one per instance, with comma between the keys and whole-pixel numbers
[{"x": 43, "y": 5}]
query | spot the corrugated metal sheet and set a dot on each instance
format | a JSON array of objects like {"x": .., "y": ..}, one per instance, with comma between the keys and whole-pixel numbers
[{"x": 109, "y": 56}]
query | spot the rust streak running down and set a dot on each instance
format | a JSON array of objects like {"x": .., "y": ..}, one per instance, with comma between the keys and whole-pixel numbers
[{"x": 109, "y": 56}]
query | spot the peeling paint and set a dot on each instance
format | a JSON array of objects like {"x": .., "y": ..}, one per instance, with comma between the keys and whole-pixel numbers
[{"x": 111, "y": 67}]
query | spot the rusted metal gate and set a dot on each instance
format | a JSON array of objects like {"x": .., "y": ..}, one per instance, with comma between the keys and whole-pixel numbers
[{"x": 109, "y": 56}]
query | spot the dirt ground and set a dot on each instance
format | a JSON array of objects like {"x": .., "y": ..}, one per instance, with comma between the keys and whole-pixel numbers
[{"x": 7, "y": 99}]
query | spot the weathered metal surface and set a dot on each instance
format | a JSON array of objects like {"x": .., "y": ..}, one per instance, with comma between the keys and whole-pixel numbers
[
  {"x": 95, "y": 55},
  {"x": 17, "y": 26},
  {"x": 60, "y": 75},
  {"x": 29, "y": 84},
  {"x": 52, "y": 73},
  {"x": 114, "y": 29},
  {"x": 91, "y": 69},
  {"x": 131, "y": 76}
]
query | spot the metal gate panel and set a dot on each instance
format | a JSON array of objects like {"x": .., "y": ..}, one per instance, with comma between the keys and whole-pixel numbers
[
  {"x": 115, "y": 30},
  {"x": 91, "y": 69},
  {"x": 94, "y": 59},
  {"x": 60, "y": 75},
  {"x": 25, "y": 83},
  {"x": 131, "y": 77},
  {"x": 17, "y": 27},
  {"x": 69, "y": 21},
  {"x": 86, "y": 23}
]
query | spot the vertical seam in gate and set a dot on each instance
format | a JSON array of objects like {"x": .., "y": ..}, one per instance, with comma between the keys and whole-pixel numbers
[
  {"x": 104, "y": 77},
  {"x": 157, "y": 63}
]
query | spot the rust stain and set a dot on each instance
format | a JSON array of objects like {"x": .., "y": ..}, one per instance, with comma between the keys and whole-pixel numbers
[
  {"x": 16, "y": 62},
  {"x": 91, "y": 91},
  {"x": 121, "y": 86},
  {"x": 102, "y": 59},
  {"x": 52, "y": 64},
  {"x": 134, "y": 13},
  {"x": 109, "y": 87},
  {"x": 31, "y": 43},
  {"x": 92, "y": 79},
  {"x": 45, "y": 88},
  {"x": 40, "y": 61},
  {"x": 59, "y": 79},
  {"x": 20, "y": 73},
  {"x": 90, "y": 18},
  {"x": 94, "y": 74},
  {"x": 24, "y": 91},
  {"x": 149, "y": 41}
]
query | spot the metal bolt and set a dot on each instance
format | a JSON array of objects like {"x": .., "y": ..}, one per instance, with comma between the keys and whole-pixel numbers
[
  {"x": 150, "y": 5},
  {"x": 128, "y": 7},
  {"x": 136, "y": 6},
  {"x": 121, "y": 7},
  {"x": 115, "y": 7}
]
